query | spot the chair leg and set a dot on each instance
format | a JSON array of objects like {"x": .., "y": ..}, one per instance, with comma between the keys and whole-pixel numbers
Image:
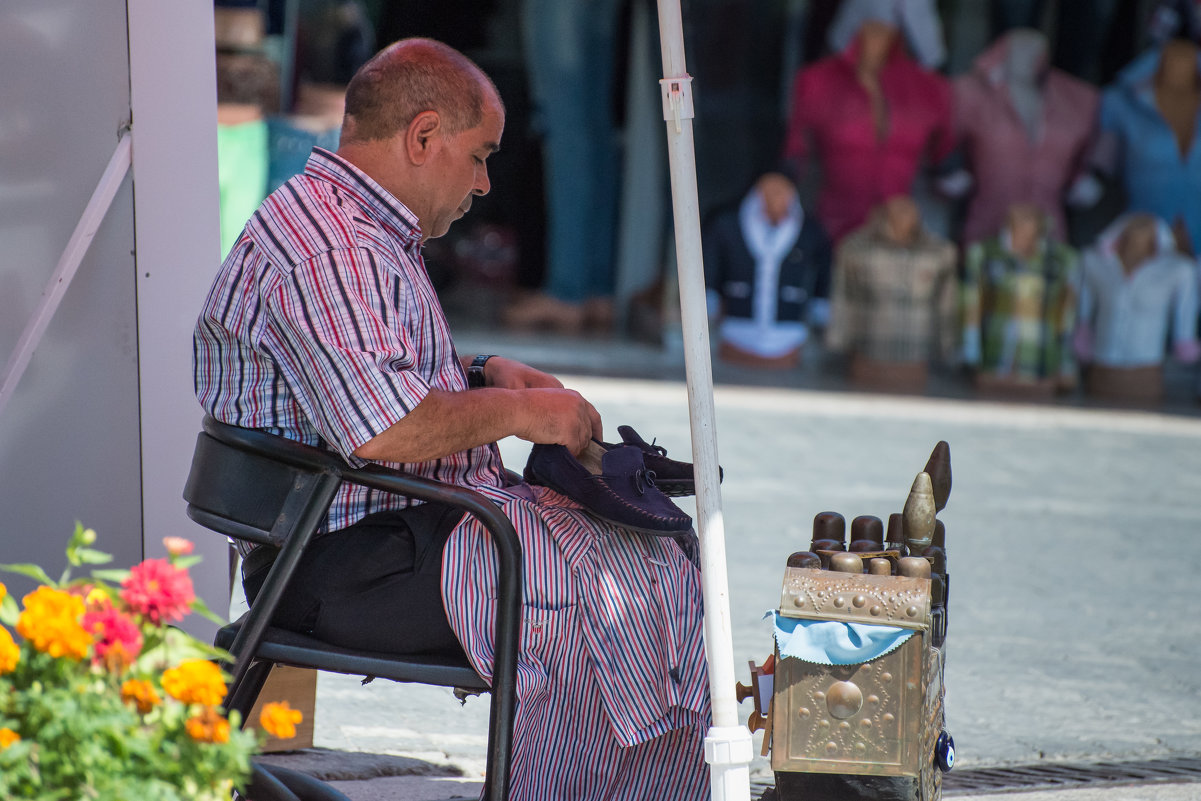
[
  {"x": 242, "y": 694},
  {"x": 304, "y": 786}
]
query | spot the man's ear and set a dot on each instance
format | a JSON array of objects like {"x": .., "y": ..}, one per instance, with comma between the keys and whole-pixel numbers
[{"x": 420, "y": 134}]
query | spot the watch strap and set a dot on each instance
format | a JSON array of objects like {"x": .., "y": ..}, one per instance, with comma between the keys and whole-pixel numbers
[{"x": 475, "y": 372}]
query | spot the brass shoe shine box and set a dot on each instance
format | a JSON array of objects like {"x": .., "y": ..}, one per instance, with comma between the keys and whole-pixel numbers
[{"x": 880, "y": 718}]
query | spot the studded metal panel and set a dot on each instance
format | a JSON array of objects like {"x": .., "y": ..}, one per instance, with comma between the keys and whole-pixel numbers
[
  {"x": 860, "y": 719},
  {"x": 853, "y": 598}
]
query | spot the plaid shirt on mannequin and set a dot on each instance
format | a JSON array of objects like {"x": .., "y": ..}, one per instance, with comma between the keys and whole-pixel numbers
[
  {"x": 894, "y": 303},
  {"x": 1018, "y": 314}
]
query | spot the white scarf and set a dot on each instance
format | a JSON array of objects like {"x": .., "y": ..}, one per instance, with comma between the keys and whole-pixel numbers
[{"x": 768, "y": 244}]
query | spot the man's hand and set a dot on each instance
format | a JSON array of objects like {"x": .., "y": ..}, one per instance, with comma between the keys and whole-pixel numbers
[
  {"x": 505, "y": 373},
  {"x": 559, "y": 416}
]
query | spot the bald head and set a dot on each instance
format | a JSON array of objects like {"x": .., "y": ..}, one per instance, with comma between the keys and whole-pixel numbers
[{"x": 407, "y": 78}]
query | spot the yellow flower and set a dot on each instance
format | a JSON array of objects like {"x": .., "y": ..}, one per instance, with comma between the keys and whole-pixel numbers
[
  {"x": 10, "y": 653},
  {"x": 51, "y": 624},
  {"x": 279, "y": 720},
  {"x": 195, "y": 681},
  {"x": 3, "y": 591},
  {"x": 7, "y": 738},
  {"x": 208, "y": 727},
  {"x": 141, "y": 694}
]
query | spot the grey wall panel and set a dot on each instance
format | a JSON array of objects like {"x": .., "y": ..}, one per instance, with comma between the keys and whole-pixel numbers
[{"x": 69, "y": 437}]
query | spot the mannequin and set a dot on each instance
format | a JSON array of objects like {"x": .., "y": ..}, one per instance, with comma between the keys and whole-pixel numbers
[
  {"x": 1136, "y": 290},
  {"x": 870, "y": 114},
  {"x": 1019, "y": 309},
  {"x": 893, "y": 302},
  {"x": 1152, "y": 137},
  {"x": 768, "y": 272},
  {"x": 1026, "y": 129}
]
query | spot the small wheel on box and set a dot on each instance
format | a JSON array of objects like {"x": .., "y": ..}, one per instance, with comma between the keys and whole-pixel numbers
[{"x": 944, "y": 752}]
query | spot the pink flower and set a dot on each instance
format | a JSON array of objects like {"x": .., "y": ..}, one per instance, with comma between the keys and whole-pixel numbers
[
  {"x": 118, "y": 639},
  {"x": 158, "y": 590},
  {"x": 178, "y": 546}
]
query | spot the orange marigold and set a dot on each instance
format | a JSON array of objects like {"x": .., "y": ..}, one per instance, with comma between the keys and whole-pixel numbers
[
  {"x": 208, "y": 727},
  {"x": 195, "y": 681},
  {"x": 50, "y": 622},
  {"x": 10, "y": 652},
  {"x": 279, "y": 719},
  {"x": 7, "y": 738},
  {"x": 141, "y": 694},
  {"x": 3, "y": 591}
]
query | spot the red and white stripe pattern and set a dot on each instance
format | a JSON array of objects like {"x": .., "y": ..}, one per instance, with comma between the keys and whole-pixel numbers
[
  {"x": 612, "y": 690},
  {"x": 322, "y": 326}
]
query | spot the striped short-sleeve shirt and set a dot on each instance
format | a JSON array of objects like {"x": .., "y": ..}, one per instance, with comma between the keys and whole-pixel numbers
[{"x": 322, "y": 326}]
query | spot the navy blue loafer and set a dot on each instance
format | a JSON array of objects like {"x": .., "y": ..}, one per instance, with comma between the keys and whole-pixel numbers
[
  {"x": 671, "y": 477},
  {"x": 623, "y": 492}
]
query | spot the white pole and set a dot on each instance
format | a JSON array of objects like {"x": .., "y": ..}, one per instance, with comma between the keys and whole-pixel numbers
[{"x": 728, "y": 747}]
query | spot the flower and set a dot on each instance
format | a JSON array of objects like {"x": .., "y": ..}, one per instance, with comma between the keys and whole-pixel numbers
[
  {"x": 93, "y": 692},
  {"x": 50, "y": 622},
  {"x": 158, "y": 590},
  {"x": 208, "y": 727},
  {"x": 195, "y": 681},
  {"x": 279, "y": 719},
  {"x": 118, "y": 641},
  {"x": 178, "y": 546},
  {"x": 140, "y": 693},
  {"x": 10, "y": 653}
]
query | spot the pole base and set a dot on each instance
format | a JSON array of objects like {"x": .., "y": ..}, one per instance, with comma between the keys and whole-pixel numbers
[{"x": 729, "y": 751}]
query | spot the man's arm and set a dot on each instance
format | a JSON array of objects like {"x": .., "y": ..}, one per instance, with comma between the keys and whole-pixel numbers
[
  {"x": 511, "y": 374},
  {"x": 520, "y": 401}
]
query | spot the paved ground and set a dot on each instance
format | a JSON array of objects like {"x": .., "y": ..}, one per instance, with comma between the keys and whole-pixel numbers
[{"x": 1073, "y": 549}]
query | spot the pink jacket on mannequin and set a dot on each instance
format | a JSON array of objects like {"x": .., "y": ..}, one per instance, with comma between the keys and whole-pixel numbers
[
  {"x": 1008, "y": 165},
  {"x": 832, "y": 118}
]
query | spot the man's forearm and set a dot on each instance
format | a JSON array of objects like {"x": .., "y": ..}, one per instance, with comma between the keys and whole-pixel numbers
[
  {"x": 445, "y": 423},
  {"x": 450, "y": 422}
]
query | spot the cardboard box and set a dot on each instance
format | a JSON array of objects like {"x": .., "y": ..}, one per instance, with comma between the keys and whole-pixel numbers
[{"x": 297, "y": 686}]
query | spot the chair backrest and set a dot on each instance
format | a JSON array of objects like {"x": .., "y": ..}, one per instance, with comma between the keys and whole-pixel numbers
[{"x": 243, "y": 481}]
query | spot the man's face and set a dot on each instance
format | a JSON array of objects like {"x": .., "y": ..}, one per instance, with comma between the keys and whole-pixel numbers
[{"x": 460, "y": 169}]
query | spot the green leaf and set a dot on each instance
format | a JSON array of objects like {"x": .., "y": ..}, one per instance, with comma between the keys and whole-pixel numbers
[
  {"x": 187, "y": 561},
  {"x": 201, "y": 608},
  {"x": 115, "y": 576},
  {"x": 32, "y": 571},
  {"x": 9, "y": 611},
  {"x": 90, "y": 556}
]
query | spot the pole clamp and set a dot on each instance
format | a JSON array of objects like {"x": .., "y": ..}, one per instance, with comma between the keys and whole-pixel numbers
[{"x": 677, "y": 100}]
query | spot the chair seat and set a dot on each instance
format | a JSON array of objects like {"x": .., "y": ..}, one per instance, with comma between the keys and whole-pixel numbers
[{"x": 300, "y": 650}]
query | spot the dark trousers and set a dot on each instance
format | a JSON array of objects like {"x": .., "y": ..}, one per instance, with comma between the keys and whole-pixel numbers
[{"x": 375, "y": 585}]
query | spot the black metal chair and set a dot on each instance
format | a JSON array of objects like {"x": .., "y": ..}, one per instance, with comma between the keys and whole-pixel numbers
[{"x": 257, "y": 487}]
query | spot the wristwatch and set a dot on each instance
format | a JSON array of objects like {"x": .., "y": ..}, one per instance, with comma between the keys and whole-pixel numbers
[{"x": 475, "y": 372}]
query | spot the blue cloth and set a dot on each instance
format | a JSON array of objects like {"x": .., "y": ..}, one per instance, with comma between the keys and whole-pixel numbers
[
  {"x": 831, "y": 642},
  {"x": 1158, "y": 179}
]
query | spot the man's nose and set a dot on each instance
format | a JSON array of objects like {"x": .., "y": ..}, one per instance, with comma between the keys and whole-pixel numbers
[{"x": 482, "y": 184}]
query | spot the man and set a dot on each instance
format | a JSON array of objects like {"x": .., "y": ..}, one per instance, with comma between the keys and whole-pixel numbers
[{"x": 322, "y": 326}]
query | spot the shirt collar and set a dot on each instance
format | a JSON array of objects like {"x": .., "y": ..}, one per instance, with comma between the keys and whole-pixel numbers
[{"x": 381, "y": 205}]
